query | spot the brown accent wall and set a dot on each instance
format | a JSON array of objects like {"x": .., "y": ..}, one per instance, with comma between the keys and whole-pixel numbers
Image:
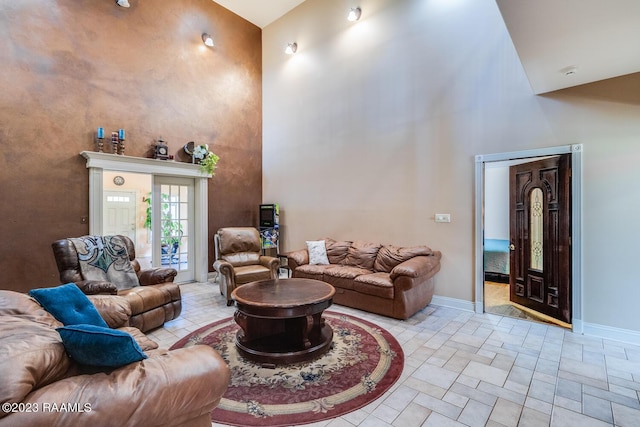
[{"x": 68, "y": 67}]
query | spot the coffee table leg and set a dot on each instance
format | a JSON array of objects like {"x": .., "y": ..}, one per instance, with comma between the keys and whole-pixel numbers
[
  {"x": 310, "y": 321},
  {"x": 241, "y": 320}
]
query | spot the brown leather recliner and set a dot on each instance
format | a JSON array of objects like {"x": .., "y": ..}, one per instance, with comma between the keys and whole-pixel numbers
[
  {"x": 239, "y": 259},
  {"x": 155, "y": 301}
]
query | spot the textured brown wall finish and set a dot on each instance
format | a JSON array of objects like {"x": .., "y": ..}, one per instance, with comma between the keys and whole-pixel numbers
[{"x": 70, "y": 66}]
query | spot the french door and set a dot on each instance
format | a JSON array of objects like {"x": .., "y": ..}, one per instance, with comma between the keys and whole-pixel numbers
[{"x": 172, "y": 207}]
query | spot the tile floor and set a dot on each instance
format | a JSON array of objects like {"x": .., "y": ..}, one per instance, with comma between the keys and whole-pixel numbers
[{"x": 465, "y": 369}]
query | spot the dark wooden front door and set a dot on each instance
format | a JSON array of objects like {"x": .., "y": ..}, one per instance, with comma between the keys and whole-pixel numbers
[{"x": 540, "y": 233}]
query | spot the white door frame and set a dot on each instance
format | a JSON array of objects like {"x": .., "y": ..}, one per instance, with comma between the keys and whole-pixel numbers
[
  {"x": 576, "y": 223},
  {"x": 98, "y": 162}
]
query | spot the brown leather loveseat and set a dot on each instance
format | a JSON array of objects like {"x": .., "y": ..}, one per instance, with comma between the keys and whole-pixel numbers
[
  {"x": 384, "y": 279},
  {"x": 154, "y": 301},
  {"x": 40, "y": 385}
]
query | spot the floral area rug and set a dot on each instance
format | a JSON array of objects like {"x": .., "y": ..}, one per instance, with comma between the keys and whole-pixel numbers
[{"x": 364, "y": 361}]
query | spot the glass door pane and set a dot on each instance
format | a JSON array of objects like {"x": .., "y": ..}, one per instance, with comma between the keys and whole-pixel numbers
[{"x": 174, "y": 213}]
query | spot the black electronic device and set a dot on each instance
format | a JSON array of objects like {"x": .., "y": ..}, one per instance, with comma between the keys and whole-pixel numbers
[{"x": 269, "y": 216}]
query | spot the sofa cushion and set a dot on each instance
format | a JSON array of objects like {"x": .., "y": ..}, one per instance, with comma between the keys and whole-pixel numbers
[
  {"x": 239, "y": 245},
  {"x": 143, "y": 341},
  {"x": 251, "y": 273},
  {"x": 22, "y": 305},
  {"x": 98, "y": 346},
  {"x": 341, "y": 276},
  {"x": 389, "y": 256},
  {"x": 32, "y": 356},
  {"x": 377, "y": 284},
  {"x": 114, "y": 309},
  {"x": 317, "y": 252},
  {"x": 308, "y": 271},
  {"x": 68, "y": 304},
  {"x": 239, "y": 259},
  {"x": 362, "y": 255},
  {"x": 337, "y": 250}
]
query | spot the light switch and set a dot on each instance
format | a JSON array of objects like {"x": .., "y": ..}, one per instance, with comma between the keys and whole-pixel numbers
[{"x": 443, "y": 217}]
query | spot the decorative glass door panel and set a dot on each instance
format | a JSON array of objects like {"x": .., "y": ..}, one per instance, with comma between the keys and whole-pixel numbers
[{"x": 536, "y": 230}]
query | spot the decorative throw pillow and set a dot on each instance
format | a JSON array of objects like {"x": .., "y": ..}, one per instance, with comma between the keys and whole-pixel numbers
[
  {"x": 317, "y": 252},
  {"x": 68, "y": 305},
  {"x": 97, "y": 346}
]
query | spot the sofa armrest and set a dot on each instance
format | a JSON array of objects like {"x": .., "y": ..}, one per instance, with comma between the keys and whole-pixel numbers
[
  {"x": 168, "y": 388},
  {"x": 155, "y": 276},
  {"x": 270, "y": 262},
  {"x": 419, "y": 266},
  {"x": 95, "y": 287},
  {"x": 224, "y": 268},
  {"x": 115, "y": 310},
  {"x": 297, "y": 258}
]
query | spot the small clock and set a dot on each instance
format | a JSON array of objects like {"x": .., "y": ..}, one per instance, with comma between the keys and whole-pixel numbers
[
  {"x": 161, "y": 150},
  {"x": 118, "y": 180}
]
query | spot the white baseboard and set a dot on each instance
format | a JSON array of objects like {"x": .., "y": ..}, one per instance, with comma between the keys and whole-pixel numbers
[
  {"x": 579, "y": 327},
  {"x": 611, "y": 333},
  {"x": 460, "y": 304}
]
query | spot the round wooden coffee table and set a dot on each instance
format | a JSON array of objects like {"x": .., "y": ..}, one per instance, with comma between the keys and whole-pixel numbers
[{"x": 281, "y": 320}]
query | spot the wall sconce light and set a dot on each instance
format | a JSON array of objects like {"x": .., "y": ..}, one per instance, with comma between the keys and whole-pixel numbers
[
  {"x": 291, "y": 48},
  {"x": 206, "y": 38},
  {"x": 354, "y": 14},
  {"x": 123, "y": 3}
]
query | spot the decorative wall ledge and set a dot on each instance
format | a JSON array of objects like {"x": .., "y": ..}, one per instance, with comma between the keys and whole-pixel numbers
[{"x": 116, "y": 162}]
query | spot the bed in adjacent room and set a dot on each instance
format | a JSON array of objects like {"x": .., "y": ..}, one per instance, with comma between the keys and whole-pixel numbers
[{"x": 496, "y": 260}]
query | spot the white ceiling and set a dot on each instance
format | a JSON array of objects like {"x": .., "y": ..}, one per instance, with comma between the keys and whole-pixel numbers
[
  {"x": 599, "y": 38},
  {"x": 259, "y": 12}
]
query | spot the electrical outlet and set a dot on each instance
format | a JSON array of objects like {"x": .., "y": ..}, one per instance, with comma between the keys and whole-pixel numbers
[{"x": 443, "y": 217}]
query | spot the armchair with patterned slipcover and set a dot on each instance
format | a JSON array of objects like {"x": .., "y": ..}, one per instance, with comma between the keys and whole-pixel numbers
[
  {"x": 239, "y": 259},
  {"x": 108, "y": 265}
]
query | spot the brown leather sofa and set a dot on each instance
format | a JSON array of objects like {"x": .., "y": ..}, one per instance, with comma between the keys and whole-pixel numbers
[
  {"x": 384, "y": 279},
  {"x": 156, "y": 301},
  {"x": 170, "y": 388},
  {"x": 239, "y": 259}
]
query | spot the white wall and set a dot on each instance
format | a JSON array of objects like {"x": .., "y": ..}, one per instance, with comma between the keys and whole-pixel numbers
[
  {"x": 496, "y": 202},
  {"x": 372, "y": 127}
]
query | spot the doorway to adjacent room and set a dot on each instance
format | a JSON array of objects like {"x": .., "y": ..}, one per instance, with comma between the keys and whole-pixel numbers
[
  {"x": 528, "y": 266},
  {"x": 170, "y": 204}
]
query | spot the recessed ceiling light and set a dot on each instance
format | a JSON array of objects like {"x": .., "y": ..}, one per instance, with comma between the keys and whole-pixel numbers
[{"x": 569, "y": 71}]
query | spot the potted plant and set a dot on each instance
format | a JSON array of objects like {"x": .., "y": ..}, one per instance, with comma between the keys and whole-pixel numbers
[
  {"x": 205, "y": 158},
  {"x": 171, "y": 229}
]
